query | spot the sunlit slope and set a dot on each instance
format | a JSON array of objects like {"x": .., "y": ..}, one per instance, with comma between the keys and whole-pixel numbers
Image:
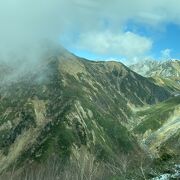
[
  {"x": 68, "y": 103},
  {"x": 172, "y": 84},
  {"x": 159, "y": 127}
]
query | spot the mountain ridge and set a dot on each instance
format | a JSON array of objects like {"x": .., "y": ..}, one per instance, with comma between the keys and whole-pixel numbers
[
  {"x": 151, "y": 68},
  {"x": 70, "y": 103}
]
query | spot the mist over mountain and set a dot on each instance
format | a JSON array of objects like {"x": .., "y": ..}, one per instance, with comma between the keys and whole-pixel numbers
[
  {"x": 76, "y": 100},
  {"x": 68, "y": 105}
]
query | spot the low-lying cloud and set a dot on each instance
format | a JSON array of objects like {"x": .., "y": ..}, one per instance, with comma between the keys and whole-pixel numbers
[{"x": 25, "y": 22}]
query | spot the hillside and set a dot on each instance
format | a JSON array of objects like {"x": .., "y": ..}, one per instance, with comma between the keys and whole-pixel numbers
[
  {"x": 69, "y": 103},
  {"x": 159, "y": 127},
  {"x": 69, "y": 106}
]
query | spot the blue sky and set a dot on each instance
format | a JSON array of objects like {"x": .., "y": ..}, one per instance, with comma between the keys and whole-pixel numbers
[
  {"x": 169, "y": 38},
  {"x": 166, "y": 38},
  {"x": 148, "y": 31},
  {"x": 166, "y": 43}
]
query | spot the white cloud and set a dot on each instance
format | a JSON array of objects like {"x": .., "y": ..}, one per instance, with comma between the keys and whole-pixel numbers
[
  {"x": 166, "y": 54},
  {"x": 25, "y": 21},
  {"x": 126, "y": 44}
]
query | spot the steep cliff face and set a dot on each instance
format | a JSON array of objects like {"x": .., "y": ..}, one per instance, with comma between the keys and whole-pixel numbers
[{"x": 68, "y": 103}]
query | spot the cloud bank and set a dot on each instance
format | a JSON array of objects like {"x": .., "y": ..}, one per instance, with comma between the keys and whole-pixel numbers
[
  {"x": 125, "y": 44},
  {"x": 25, "y": 22}
]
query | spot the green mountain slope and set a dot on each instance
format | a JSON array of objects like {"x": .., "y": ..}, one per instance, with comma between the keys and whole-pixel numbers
[
  {"x": 68, "y": 103},
  {"x": 159, "y": 127}
]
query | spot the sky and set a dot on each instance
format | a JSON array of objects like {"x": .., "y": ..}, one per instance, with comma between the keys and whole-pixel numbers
[{"x": 127, "y": 31}]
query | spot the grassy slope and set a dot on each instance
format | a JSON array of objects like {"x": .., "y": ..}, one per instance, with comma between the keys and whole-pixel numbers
[
  {"x": 155, "y": 116},
  {"x": 160, "y": 127},
  {"x": 58, "y": 133},
  {"x": 171, "y": 84}
]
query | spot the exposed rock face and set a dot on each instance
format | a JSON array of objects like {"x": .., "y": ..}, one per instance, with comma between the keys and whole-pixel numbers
[{"x": 155, "y": 68}]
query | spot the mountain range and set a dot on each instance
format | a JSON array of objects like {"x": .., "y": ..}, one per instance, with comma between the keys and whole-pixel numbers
[
  {"x": 70, "y": 106},
  {"x": 165, "y": 73}
]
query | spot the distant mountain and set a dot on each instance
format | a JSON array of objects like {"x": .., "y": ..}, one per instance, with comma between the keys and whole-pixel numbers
[
  {"x": 165, "y": 74},
  {"x": 155, "y": 68}
]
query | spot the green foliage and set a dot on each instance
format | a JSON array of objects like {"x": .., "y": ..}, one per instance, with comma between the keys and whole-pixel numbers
[{"x": 155, "y": 116}]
